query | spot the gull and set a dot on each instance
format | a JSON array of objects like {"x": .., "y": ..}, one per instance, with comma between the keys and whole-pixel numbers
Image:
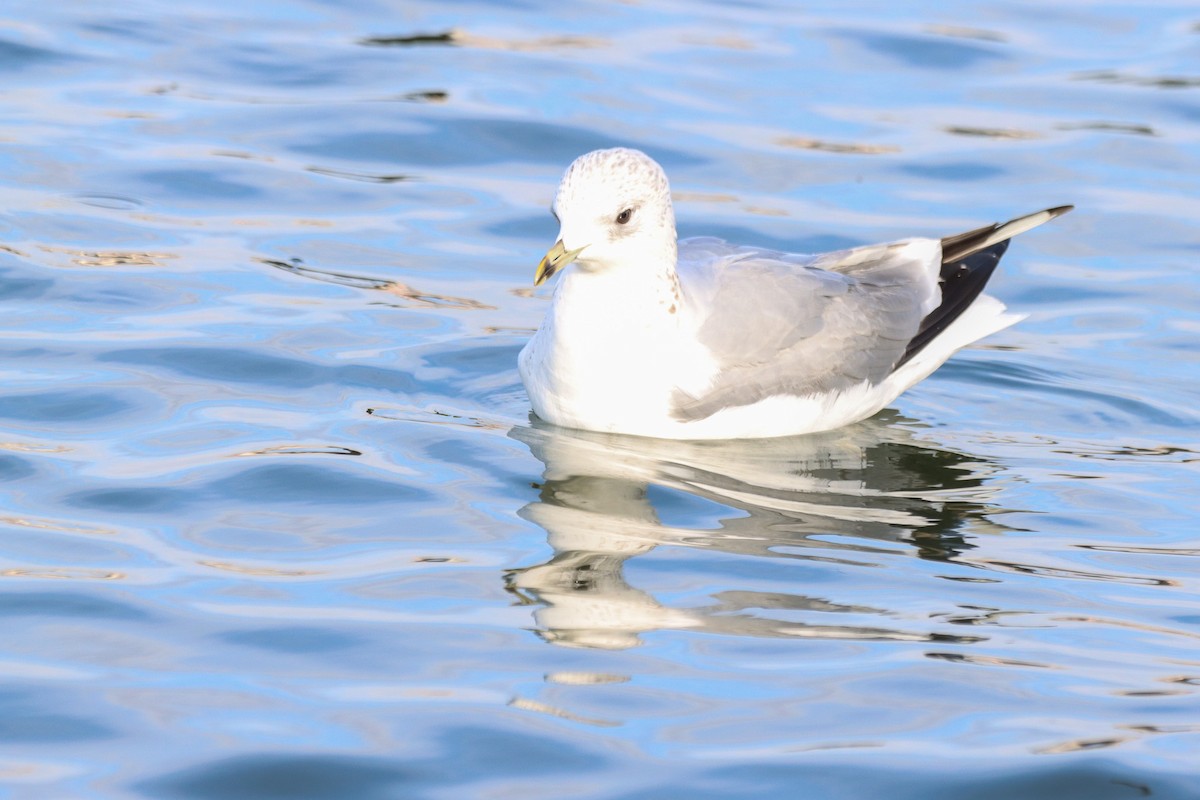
[{"x": 648, "y": 335}]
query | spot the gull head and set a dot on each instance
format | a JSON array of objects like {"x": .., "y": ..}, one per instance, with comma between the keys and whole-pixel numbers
[{"x": 614, "y": 209}]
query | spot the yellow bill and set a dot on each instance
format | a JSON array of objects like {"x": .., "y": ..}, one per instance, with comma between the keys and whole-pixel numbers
[{"x": 558, "y": 257}]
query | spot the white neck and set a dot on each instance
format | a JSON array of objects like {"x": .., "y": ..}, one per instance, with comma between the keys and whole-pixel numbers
[{"x": 601, "y": 298}]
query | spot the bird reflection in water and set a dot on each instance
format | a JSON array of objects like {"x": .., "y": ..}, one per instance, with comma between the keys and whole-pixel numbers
[{"x": 846, "y": 497}]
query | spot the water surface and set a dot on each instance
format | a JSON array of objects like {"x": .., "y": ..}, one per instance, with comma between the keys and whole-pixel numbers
[{"x": 275, "y": 519}]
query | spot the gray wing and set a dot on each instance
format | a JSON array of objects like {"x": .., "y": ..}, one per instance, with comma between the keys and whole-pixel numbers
[{"x": 785, "y": 324}]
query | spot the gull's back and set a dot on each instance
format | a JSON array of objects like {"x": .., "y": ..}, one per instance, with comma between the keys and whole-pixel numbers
[{"x": 787, "y": 324}]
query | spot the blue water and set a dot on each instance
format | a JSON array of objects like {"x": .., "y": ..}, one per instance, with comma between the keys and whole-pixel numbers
[{"x": 275, "y": 522}]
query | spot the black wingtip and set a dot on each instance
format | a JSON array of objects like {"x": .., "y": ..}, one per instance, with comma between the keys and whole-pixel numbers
[
  {"x": 968, "y": 261},
  {"x": 962, "y": 281},
  {"x": 956, "y": 248}
]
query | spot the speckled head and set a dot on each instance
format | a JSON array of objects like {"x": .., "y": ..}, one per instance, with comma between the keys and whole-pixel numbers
[
  {"x": 616, "y": 172},
  {"x": 614, "y": 207}
]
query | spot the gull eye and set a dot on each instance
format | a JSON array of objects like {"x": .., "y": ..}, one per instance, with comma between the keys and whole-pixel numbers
[{"x": 624, "y": 216}]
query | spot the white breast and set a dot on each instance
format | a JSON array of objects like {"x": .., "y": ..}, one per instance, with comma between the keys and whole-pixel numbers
[{"x": 609, "y": 358}]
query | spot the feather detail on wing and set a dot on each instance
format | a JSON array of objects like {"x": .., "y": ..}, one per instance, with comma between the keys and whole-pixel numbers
[
  {"x": 779, "y": 324},
  {"x": 783, "y": 324}
]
